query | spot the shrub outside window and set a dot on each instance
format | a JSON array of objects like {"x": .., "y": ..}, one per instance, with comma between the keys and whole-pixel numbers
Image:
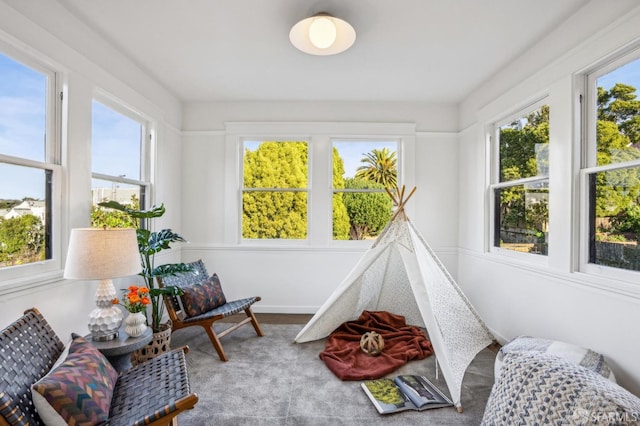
[
  {"x": 275, "y": 190},
  {"x": 521, "y": 185}
]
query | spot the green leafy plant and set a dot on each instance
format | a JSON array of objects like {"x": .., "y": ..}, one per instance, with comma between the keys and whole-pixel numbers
[{"x": 149, "y": 244}]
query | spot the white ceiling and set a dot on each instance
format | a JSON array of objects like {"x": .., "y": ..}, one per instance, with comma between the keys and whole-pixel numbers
[{"x": 435, "y": 51}]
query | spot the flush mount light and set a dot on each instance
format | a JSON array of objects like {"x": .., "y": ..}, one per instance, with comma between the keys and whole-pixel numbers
[{"x": 322, "y": 34}]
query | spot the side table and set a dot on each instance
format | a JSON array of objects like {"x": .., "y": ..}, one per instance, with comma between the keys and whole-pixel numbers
[{"x": 118, "y": 351}]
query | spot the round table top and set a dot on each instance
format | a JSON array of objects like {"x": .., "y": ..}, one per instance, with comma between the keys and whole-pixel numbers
[{"x": 123, "y": 344}]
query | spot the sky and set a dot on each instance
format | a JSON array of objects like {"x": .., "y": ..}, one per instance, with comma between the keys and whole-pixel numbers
[{"x": 22, "y": 129}]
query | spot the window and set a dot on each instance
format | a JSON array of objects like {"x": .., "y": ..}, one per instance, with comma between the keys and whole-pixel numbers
[
  {"x": 117, "y": 162},
  {"x": 521, "y": 183},
  {"x": 361, "y": 172},
  {"x": 29, "y": 170},
  {"x": 274, "y": 197},
  {"x": 284, "y": 183},
  {"x": 611, "y": 169}
]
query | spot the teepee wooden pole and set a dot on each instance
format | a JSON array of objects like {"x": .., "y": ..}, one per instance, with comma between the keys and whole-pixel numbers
[{"x": 400, "y": 201}]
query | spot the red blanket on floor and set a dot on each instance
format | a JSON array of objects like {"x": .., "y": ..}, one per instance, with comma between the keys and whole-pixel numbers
[{"x": 402, "y": 343}]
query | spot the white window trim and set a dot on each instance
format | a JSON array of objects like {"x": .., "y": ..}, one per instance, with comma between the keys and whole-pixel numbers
[
  {"x": 494, "y": 181},
  {"x": 320, "y": 136},
  {"x": 25, "y": 277},
  {"x": 605, "y": 277}
]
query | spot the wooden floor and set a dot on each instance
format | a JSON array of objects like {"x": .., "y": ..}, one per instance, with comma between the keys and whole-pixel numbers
[{"x": 273, "y": 318}]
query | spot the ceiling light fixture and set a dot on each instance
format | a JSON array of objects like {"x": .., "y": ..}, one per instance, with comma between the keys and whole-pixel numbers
[{"x": 322, "y": 34}]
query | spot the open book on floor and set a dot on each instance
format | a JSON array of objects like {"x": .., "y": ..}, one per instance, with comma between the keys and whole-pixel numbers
[{"x": 405, "y": 392}]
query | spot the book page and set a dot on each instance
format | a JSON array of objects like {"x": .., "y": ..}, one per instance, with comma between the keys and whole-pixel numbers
[
  {"x": 386, "y": 396},
  {"x": 421, "y": 392}
]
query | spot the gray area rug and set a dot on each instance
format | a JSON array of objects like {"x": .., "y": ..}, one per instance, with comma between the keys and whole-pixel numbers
[{"x": 272, "y": 381}]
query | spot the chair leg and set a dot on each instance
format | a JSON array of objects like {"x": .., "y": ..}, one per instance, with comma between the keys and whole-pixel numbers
[
  {"x": 254, "y": 321},
  {"x": 216, "y": 342}
]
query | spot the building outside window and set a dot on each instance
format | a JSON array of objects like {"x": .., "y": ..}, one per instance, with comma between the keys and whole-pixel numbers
[
  {"x": 611, "y": 167},
  {"x": 520, "y": 188},
  {"x": 29, "y": 163},
  {"x": 118, "y": 162},
  {"x": 362, "y": 171}
]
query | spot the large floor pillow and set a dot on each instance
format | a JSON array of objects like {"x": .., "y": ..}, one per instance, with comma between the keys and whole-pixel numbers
[
  {"x": 536, "y": 388},
  {"x": 572, "y": 353}
]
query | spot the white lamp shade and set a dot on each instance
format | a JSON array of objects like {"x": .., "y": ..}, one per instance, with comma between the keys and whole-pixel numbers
[
  {"x": 97, "y": 254},
  {"x": 314, "y": 35}
]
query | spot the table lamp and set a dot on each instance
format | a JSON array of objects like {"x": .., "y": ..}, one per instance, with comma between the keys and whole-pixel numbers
[{"x": 103, "y": 254}]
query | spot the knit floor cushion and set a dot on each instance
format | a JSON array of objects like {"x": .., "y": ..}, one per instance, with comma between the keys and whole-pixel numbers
[
  {"x": 573, "y": 353},
  {"x": 538, "y": 388}
]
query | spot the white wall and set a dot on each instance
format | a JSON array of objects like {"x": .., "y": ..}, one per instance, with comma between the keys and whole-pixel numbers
[
  {"x": 552, "y": 299},
  {"x": 87, "y": 64},
  {"x": 299, "y": 280}
]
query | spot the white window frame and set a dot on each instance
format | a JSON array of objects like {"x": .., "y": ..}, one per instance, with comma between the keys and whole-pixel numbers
[
  {"x": 147, "y": 133},
  {"x": 589, "y": 167},
  {"x": 380, "y": 139},
  {"x": 493, "y": 131},
  {"x": 320, "y": 137},
  {"x": 22, "y": 277},
  {"x": 307, "y": 189}
]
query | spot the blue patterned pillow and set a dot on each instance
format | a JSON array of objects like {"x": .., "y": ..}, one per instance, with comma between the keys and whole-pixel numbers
[
  {"x": 79, "y": 390},
  {"x": 202, "y": 297}
]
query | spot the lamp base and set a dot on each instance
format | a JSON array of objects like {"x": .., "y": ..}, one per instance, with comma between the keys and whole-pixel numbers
[
  {"x": 104, "y": 323},
  {"x": 105, "y": 320},
  {"x": 103, "y": 338}
]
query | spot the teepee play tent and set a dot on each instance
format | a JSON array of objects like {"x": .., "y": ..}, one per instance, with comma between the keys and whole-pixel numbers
[{"x": 401, "y": 274}]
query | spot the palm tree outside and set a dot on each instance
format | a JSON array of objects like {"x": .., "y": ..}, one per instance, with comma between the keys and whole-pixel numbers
[{"x": 379, "y": 166}]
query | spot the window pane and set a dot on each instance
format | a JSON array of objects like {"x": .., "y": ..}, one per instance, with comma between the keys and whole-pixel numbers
[
  {"x": 25, "y": 222},
  {"x": 104, "y": 190},
  {"x": 618, "y": 115},
  {"x": 275, "y": 212},
  {"x": 364, "y": 169},
  {"x": 524, "y": 146},
  {"x": 522, "y": 217},
  {"x": 374, "y": 161},
  {"x": 274, "y": 215},
  {"x": 23, "y": 100},
  {"x": 615, "y": 218},
  {"x": 275, "y": 164},
  {"x": 116, "y": 142}
]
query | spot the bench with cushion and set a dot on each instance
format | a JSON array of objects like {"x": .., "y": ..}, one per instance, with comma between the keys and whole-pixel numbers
[
  {"x": 203, "y": 303},
  {"x": 42, "y": 382}
]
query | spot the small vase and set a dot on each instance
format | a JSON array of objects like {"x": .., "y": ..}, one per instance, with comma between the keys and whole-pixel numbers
[{"x": 135, "y": 324}]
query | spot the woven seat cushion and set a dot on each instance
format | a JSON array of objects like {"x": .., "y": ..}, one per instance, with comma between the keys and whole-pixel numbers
[
  {"x": 156, "y": 385},
  {"x": 539, "y": 388},
  {"x": 576, "y": 354},
  {"x": 79, "y": 390},
  {"x": 202, "y": 297}
]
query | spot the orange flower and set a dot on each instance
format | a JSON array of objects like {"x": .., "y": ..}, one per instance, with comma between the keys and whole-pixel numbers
[
  {"x": 115, "y": 301},
  {"x": 136, "y": 298}
]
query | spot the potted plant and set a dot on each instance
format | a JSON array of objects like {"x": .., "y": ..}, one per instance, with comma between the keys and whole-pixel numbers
[{"x": 149, "y": 244}]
